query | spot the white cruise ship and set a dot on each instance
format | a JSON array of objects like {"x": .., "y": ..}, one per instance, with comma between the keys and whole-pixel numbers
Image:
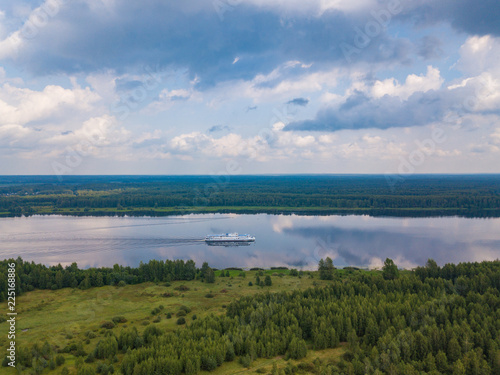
[{"x": 229, "y": 237}]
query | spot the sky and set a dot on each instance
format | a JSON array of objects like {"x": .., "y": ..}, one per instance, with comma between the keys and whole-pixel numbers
[{"x": 249, "y": 86}]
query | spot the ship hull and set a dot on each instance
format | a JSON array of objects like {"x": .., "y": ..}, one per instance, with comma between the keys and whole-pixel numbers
[{"x": 229, "y": 237}]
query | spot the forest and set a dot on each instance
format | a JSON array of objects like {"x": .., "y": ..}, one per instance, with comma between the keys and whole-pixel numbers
[
  {"x": 413, "y": 196},
  {"x": 431, "y": 320}
]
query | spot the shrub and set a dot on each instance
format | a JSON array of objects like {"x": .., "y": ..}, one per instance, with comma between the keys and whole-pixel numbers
[
  {"x": 182, "y": 288},
  {"x": 155, "y": 311},
  {"x": 60, "y": 360},
  {"x": 108, "y": 325},
  {"x": 121, "y": 283},
  {"x": 250, "y": 283},
  {"x": 181, "y": 321},
  {"x": 157, "y": 319},
  {"x": 246, "y": 361},
  {"x": 268, "y": 281},
  {"x": 169, "y": 315},
  {"x": 194, "y": 317},
  {"x": 119, "y": 319},
  {"x": 180, "y": 313},
  {"x": 185, "y": 308},
  {"x": 209, "y": 295}
]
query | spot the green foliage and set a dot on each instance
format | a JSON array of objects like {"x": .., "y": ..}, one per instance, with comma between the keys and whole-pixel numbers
[
  {"x": 268, "y": 281},
  {"x": 160, "y": 195},
  {"x": 210, "y": 276},
  {"x": 390, "y": 270},
  {"x": 108, "y": 325},
  {"x": 30, "y": 276},
  {"x": 119, "y": 319},
  {"x": 445, "y": 323},
  {"x": 326, "y": 269}
]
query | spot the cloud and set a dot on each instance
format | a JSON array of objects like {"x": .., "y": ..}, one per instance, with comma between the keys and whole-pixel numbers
[
  {"x": 22, "y": 105},
  {"x": 431, "y": 81},
  {"x": 430, "y": 47},
  {"x": 219, "y": 128},
  {"x": 299, "y": 101},
  {"x": 83, "y": 38},
  {"x": 469, "y": 16}
]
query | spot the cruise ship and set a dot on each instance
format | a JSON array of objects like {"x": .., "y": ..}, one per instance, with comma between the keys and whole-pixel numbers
[{"x": 229, "y": 237}]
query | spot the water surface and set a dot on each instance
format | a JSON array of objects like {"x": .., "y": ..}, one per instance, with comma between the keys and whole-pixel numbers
[{"x": 281, "y": 240}]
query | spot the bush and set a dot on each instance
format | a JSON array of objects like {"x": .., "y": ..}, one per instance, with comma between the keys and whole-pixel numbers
[
  {"x": 108, "y": 325},
  {"x": 268, "y": 281},
  {"x": 157, "y": 319},
  {"x": 246, "y": 361},
  {"x": 155, "y": 311},
  {"x": 294, "y": 272},
  {"x": 181, "y": 321},
  {"x": 185, "y": 308},
  {"x": 180, "y": 313},
  {"x": 90, "y": 334},
  {"x": 119, "y": 319},
  {"x": 194, "y": 317},
  {"x": 182, "y": 288},
  {"x": 60, "y": 360},
  {"x": 242, "y": 274},
  {"x": 209, "y": 295},
  {"x": 169, "y": 315},
  {"x": 250, "y": 283},
  {"x": 121, "y": 283}
]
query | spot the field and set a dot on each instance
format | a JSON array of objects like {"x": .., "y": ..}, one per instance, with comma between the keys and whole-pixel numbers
[{"x": 65, "y": 316}]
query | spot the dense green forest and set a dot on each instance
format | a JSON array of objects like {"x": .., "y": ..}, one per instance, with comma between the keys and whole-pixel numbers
[
  {"x": 421, "y": 195},
  {"x": 30, "y": 276},
  {"x": 433, "y": 320}
]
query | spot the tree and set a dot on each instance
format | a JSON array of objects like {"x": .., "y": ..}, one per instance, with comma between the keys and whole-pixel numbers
[
  {"x": 326, "y": 268},
  {"x": 268, "y": 281},
  {"x": 210, "y": 276},
  {"x": 390, "y": 270},
  {"x": 432, "y": 268}
]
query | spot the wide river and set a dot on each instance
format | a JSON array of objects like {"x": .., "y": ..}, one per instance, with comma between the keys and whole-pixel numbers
[{"x": 281, "y": 240}]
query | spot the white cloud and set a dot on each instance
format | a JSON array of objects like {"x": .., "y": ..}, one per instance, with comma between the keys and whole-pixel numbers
[
  {"x": 480, "y": 54},
  {"x": 22, "y": 105},
  {"x": 432, "y": 80}
]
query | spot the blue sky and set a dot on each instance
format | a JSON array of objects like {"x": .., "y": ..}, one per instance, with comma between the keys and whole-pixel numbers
[{"x": 249, "y": 86}]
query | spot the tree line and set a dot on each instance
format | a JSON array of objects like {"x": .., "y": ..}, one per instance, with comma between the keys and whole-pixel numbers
[{"x": 413, "y": 195}]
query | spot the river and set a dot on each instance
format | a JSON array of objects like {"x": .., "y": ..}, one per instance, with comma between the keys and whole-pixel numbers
[{"x": 281, "y": 240}]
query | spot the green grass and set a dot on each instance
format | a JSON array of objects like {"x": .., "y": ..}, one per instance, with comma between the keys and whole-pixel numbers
[{"x": 64, "y": 316}]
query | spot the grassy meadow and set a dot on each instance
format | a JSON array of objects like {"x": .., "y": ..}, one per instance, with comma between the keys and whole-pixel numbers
[{"x": 66, "y": 316}]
